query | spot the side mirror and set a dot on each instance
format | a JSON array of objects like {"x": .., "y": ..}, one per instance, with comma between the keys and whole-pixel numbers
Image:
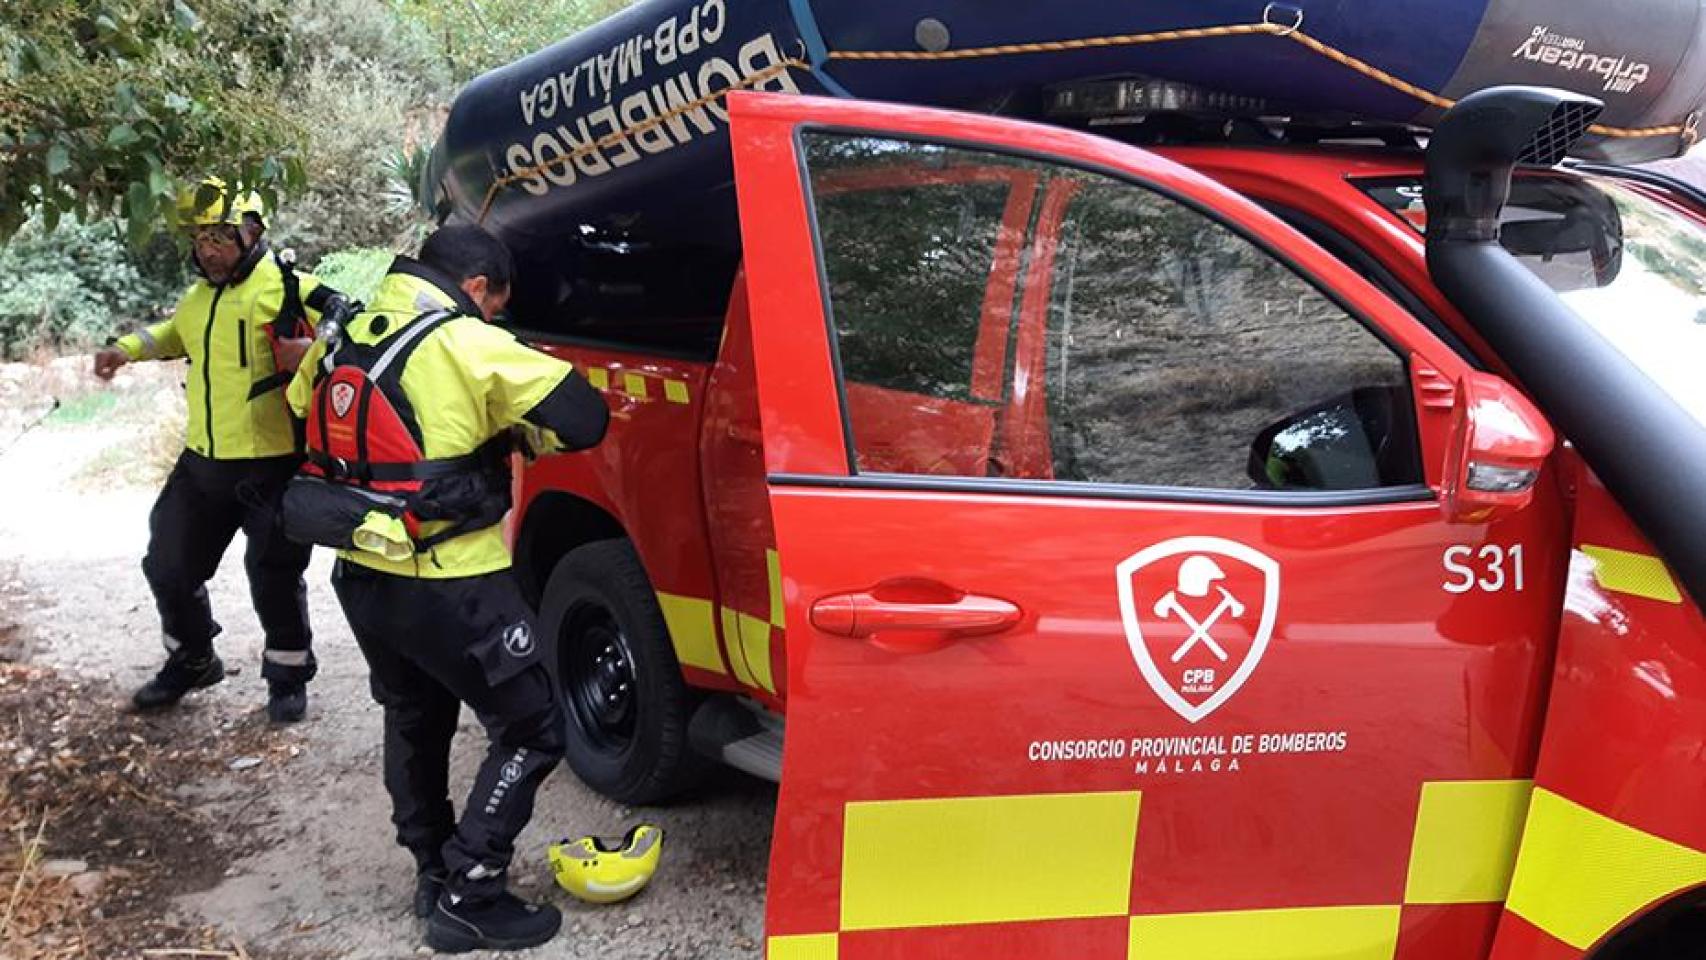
[
  {"x": 1322, "y": 448},
  {"x": 1347, "y": 442},
  {"x": 1499, "y": 443}
]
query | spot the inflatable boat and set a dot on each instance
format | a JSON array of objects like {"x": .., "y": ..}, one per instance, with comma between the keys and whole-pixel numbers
[{"x": 622, "y": 128}]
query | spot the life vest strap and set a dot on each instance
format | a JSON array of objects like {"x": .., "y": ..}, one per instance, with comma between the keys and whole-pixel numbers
[
  {"x": 489, "y": 454},
  {"x": 270, "y": 383},
  {"x": 337, "y": 468}
]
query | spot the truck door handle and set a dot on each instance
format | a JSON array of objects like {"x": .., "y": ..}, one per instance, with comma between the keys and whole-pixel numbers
[{"x": 864, "y": 614}]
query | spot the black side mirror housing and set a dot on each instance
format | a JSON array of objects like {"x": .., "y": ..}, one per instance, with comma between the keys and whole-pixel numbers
[{"x": 1344, "y": 443}]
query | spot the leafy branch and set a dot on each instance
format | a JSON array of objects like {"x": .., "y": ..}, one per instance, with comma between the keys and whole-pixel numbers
[{"x": 109, "y": 107}]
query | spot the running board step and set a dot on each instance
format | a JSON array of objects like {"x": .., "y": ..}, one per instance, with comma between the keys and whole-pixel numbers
[
  {"x": 744, "y": 737},
  {"x": 759, "y": 755}
]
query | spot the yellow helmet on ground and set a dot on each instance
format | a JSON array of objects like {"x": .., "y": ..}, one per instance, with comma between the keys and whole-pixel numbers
[
  {"x": 606, "y": 871},
  {"x": 224, "y": 207}
]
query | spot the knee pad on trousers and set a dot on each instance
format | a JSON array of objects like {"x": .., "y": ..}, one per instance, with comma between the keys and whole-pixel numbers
[
  {"x": 163, "y": 576},
  {"x": 541, "y": 732},
  {"x": 413, "y": 713}
]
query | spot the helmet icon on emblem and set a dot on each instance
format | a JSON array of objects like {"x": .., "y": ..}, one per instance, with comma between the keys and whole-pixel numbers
[{"x": 1197, "y": 574}]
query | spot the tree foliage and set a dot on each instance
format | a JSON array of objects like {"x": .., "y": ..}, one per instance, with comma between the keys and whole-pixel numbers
[
  {"x": 72, "y": 287},
  {"x": 477, "y": 35},
  {"x": 108, "y": 107},
  {"x": 328, "y": 108}
]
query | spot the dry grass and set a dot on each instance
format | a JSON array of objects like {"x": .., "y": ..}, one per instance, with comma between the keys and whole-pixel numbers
[
  {"x": 137, "y": 419},
  {"x": 96, "y": 840},
  {"x": 144, "y": 456}
]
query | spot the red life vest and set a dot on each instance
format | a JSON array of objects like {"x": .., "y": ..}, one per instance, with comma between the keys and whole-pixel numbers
[{"x": 363, "y": 435}]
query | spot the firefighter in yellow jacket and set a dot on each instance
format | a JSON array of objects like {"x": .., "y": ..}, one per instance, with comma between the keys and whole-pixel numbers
[
  {"x": 243, "y": 328},
  {"x": 409, "y": 411}
]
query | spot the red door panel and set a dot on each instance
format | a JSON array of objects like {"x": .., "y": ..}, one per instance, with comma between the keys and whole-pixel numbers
[{"x": 1087, "y": 722}]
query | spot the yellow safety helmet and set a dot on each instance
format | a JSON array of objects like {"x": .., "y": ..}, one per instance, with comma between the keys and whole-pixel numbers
[
  {"x": 225, "y": 207},
  {"x": 606, "y": 871}
]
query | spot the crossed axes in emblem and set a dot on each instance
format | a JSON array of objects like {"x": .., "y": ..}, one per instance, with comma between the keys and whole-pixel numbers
[{"x": 1169, "y": 606}]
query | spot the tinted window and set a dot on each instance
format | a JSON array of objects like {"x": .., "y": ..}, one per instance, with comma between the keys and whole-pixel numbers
[
  {"x": 627, "y": 292},
  {"x": 908, "y": 242},
  {"x": 1174, "y": 345},
  {"x": 1002, "y": 317}
]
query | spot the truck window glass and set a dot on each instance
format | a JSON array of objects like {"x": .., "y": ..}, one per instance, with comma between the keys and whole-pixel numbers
[
  {"x": 649, "y": 294},
  {"x": 1631, "y": 267},
  {"x": 1174, "y": 344},
  {"x": 909, "y": 254},
  {"x": 1147, "y": 344}
]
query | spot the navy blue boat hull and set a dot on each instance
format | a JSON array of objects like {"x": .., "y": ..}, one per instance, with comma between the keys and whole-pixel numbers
[{"x": 1647, "y": 60}]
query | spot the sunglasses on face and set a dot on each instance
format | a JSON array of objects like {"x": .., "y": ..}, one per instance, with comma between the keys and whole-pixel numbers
[{"x": 214, "y": 236}]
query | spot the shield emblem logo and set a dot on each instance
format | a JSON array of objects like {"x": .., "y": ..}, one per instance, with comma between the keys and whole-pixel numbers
[
  {"x": 343, "y": 394},
  {"x": 1198, "y": 614}
]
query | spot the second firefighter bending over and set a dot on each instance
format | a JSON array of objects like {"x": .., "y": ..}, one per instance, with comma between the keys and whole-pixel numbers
[{"x": 409, "y": 411}]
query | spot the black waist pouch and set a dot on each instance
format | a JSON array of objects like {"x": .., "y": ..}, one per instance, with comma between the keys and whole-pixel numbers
[
  {"x": 470, "y": 501},
  {"x": 318, "y": 511}
]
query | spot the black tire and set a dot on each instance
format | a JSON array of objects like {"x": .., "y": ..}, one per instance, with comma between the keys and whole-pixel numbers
[{"x": 599, "y": 607}]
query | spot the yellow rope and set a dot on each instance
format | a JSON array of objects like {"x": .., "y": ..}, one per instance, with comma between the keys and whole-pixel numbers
[
  {"x": 1446, "y": 103},
  {"x": 1060, "y": 46},
  {"x": 1371, "y": 71},
  {"x": 1293, "y": 33},
  {"x": 1201, "y": 33}
]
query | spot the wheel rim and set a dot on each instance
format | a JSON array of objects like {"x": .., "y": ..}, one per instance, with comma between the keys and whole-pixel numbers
[{"x": 598, "y": 677}]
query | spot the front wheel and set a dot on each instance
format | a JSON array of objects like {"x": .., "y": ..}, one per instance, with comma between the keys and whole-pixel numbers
[{"x": 626, "y": 704}]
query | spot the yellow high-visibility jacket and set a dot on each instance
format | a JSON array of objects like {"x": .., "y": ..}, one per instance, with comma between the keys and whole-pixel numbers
[
  {"x": 467, "y": 382},
  {"x": 237, "y": 409}
]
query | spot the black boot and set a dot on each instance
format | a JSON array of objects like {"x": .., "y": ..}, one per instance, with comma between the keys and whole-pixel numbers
[
  {"x": 286, "y": 702},
  {"x": 178, "y": 677},
  {"x": 429, "y": 885},
  {"x": 504, "y": 922}
]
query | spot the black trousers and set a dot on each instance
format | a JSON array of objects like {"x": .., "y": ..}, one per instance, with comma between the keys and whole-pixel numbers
[
  {"x": 433, "y": 645},
  {"x": 200, "y": 509}
]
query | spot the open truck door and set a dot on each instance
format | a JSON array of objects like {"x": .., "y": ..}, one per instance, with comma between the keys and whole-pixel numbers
[{"x": 1218, "y": 626}]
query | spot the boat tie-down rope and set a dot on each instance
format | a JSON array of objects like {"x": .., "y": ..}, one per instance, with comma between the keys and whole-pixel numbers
[{"x": 1688, "y": 130}]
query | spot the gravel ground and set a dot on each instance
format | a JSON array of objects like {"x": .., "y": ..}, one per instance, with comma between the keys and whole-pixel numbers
[{"x": 322, "y": 876}]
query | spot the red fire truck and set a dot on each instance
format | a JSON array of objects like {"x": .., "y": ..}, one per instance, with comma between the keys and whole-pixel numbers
[
  {"x": 1242, "y": 548},
  {"x": 953, "y": 525}
]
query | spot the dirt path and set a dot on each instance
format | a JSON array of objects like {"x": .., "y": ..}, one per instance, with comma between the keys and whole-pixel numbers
[{"x": 315, "y": 870}]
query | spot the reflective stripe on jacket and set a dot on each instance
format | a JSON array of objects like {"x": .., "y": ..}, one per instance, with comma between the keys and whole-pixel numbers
[{"x": 222, "y": 331}]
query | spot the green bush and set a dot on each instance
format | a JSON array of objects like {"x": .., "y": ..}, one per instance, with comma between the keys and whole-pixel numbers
[
  {"x": 355, "y": 272},
  {"x": 345, "y": 204},
  {"x": 476, "y": 37},
  {"x": 69, "y": 288},
  {"x": 367, "y": 84},
  {"x": 361, "y": 37},
  {"x": 335, "y": 95}
]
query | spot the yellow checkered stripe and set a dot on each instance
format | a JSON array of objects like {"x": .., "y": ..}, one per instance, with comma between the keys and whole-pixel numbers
[
  {"x": 1637, "y": 574},
  {"x": 941, "y": 862},
  {"x": 746, "y": 639},
  {"x": 638, "y": 384},
  {"x": 1581, "y": 873}
]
